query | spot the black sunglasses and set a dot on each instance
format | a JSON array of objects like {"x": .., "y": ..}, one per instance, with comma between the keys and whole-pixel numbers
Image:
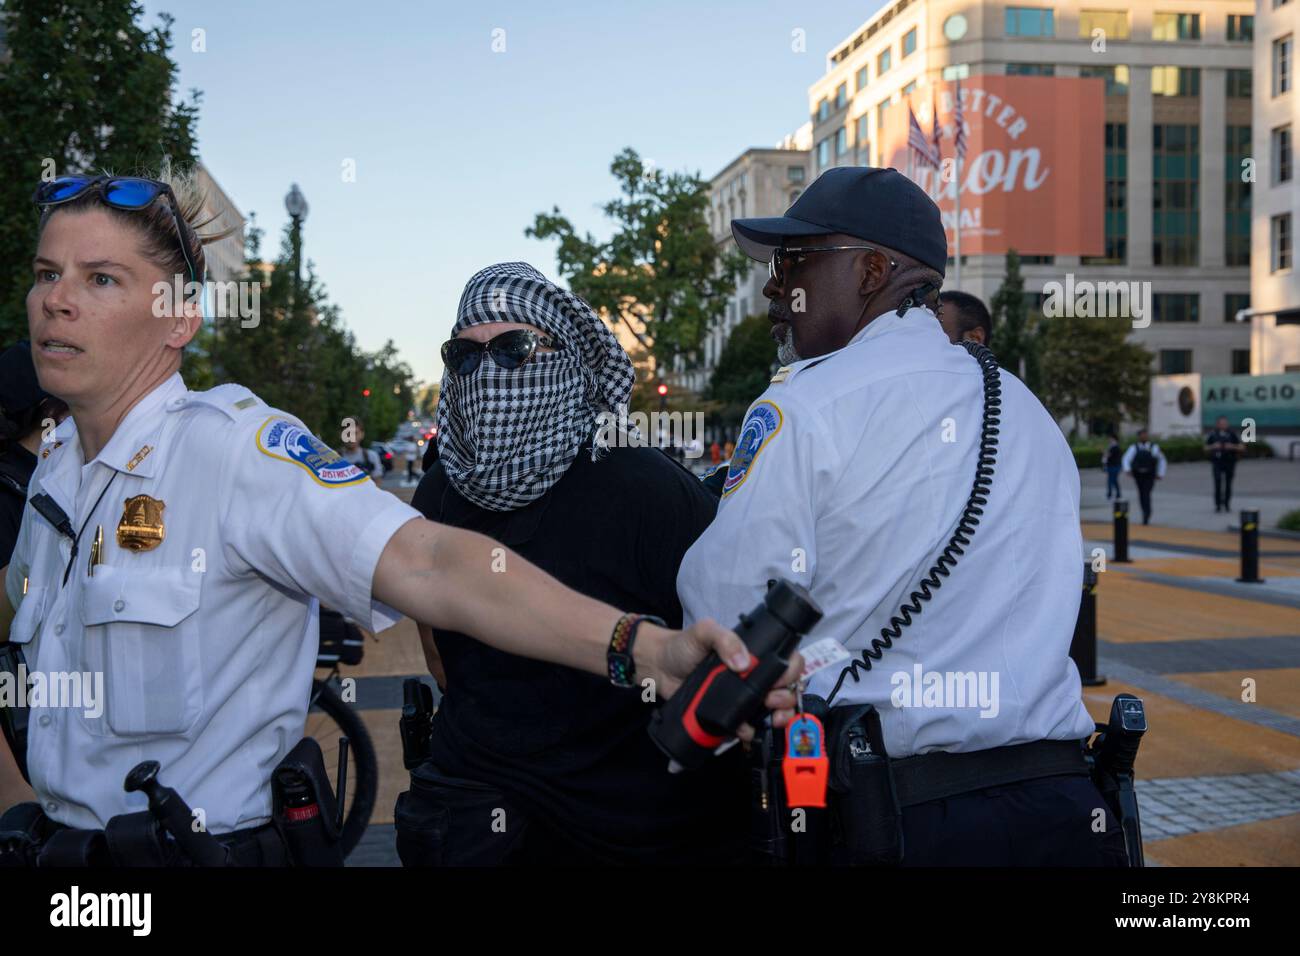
[
  {"x": 121, "y": 192},
  {"x": 509, "y": 350},
  {"x": 780, "y": 255}
]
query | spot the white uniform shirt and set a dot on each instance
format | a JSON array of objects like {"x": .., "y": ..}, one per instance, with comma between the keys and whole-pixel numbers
[
  {"x": 849, "y": 477},
  {"x": 207, "y": 641}
]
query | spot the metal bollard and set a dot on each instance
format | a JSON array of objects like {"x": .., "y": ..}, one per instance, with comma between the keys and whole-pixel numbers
[
  {"x": 1250, "y": 548},
  {"x": 1121, "y": 532},
  {"x": 1083, "y": 646}
]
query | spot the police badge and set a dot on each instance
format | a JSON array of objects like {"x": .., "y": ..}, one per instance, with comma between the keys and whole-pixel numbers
[{"x": 141, "y": 527}]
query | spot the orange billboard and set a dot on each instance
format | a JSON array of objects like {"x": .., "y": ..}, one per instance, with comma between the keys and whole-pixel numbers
[{"x": 1032, "y": 175}]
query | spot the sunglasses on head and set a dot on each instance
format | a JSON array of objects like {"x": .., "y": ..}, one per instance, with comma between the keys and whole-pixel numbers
[
  {"x": 120, "y": 192},
  {"x": 509, "y": 350}
]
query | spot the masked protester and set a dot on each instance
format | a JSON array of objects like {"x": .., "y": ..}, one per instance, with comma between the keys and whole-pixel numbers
[{"x": 527, "y": 454}]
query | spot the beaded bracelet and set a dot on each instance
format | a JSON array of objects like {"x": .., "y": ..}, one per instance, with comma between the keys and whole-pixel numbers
[{"x": 622, "y": 669}]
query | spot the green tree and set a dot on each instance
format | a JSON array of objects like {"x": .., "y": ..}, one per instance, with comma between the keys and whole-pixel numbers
[
  {"x": 1092, "y": 373},
  {"x": 1016, "y": 333},
  {"x": 661, "y": 266},
  {"x": 85, "y": 87},
  {"x": 744, "y": 369}
]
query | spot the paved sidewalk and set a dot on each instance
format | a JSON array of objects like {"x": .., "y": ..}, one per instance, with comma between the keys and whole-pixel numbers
[{"x": 1184, "y": 498}]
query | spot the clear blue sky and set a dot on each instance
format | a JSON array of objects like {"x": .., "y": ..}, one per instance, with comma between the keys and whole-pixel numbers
[{"x": 456, "y": 147}]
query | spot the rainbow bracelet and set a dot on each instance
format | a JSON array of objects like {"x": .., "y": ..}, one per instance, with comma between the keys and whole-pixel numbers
[{"x": 622, "y": 670}]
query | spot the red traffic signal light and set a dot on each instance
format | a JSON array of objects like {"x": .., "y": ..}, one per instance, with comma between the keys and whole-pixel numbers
[
  {"x": 365, "y": 392},
  {"x": 663, "y": 389}
]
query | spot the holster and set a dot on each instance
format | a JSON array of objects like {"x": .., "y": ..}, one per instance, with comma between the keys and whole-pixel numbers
[
  {"x": 23, "y": 831},
  {"x": 312, "y": 839},
  {"x": 868, "y": 822},
  {"x": 13, "y": 720},
  {"x": 136, "y": 839}
]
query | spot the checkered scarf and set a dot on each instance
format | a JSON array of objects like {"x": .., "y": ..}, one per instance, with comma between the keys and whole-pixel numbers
[{"x": 505, "y": 437}]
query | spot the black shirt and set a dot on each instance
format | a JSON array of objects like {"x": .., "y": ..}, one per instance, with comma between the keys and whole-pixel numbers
[
  {"x": 16, "y": 467},
  {"x": 569, "y": 745},
  {"x": 1227, "y": 437}
]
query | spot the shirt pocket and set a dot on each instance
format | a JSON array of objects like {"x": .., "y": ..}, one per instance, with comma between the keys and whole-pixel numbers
[
  {"x": 27, "y": 619},
  {"x": 137, "y": 633}
]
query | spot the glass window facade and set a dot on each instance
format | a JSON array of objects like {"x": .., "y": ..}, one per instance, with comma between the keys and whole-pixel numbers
[
  {"x": 1031, "y": 69},
  {"x": 1113, "y": 23},
  {"x": 1175, "y": 361},
  {"x": 1116, "y": 197},
  {"x": 1280, "y": 240},
  {"x": 1240, "y": 83},
  {"x": 1030, "y": 22},
  {"x": 1234, "y": 302},
  {"x": 1176, "y": 307},
  {"x": 1116, "y": 77},
  {"x": 1176, "y": 179},
  {"x": 1173, "y": 27},
  {"x": 1175, "y": 81},
  {"x": 1236, "y": 198}
]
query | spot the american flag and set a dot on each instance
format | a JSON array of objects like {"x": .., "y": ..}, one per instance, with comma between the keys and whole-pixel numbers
[
  {"x": 935, "y": 132},
  {"x": 917, "y": 142},
  {"x": 960, "y": 126}
]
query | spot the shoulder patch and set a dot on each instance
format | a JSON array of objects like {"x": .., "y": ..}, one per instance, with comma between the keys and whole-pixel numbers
[
  {"x": 282, "y": 439},
  {"x": 761, "y": 424}
]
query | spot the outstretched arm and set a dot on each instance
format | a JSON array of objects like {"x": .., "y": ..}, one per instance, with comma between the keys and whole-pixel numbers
[{"x": 462, "y": 581}]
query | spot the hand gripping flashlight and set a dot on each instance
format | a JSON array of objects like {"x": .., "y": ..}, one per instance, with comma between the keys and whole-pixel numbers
[{"x": 715, "y": 700}]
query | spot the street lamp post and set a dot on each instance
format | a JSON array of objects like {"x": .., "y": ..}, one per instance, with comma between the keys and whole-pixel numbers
[{"x": 296, "y": 205}]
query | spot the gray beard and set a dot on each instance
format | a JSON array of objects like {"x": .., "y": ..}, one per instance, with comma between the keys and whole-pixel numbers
[{"x": 785, "y": 353}]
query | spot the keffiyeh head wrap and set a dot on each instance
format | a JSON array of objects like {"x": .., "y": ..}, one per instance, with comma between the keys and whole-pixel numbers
[{"x": 505, "y": 437}]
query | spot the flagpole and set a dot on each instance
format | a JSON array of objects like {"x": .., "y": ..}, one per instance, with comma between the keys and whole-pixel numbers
[
  {"x": 956, "y": 229},
  {"x": 959, "y": 149}
]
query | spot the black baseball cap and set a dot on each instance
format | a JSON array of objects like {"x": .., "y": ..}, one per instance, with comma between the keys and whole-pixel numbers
[
  {"x": 873, "y": 204},
  {"x": 19, "y": 387}
]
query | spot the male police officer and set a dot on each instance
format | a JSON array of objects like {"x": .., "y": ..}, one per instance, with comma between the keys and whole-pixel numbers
[
  {"x": 176, "y": 542},
  {"x": 850, "y": 476}
]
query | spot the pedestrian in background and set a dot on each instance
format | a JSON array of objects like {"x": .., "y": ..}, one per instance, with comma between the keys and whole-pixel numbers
[
  {"x": 1111, "y": 463},
  {"x": 367, "y": 459},
  {"x": 965, "y": 318},
  {"x": 1223, "y": 445},
  {"x": 410, "y": 464},
  {"x": 1146, "y": 463}
]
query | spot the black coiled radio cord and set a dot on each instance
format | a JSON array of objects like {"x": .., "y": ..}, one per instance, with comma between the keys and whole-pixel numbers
[{"x": 966, "y": 524}]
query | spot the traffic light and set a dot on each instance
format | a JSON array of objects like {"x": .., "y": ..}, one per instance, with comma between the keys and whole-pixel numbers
[
  {"x": 365, "y": 392},
  {"x": 663, "y": 389}
]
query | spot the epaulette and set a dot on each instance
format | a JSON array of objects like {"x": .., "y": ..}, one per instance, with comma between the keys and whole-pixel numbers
[{"x": 232, "y": 400}]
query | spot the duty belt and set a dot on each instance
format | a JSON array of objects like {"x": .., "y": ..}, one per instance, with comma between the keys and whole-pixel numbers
[{"x": 935, "y": 776}]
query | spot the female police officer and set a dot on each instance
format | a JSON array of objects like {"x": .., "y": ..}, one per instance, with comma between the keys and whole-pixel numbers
[{"x": 174, "y": 538}]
